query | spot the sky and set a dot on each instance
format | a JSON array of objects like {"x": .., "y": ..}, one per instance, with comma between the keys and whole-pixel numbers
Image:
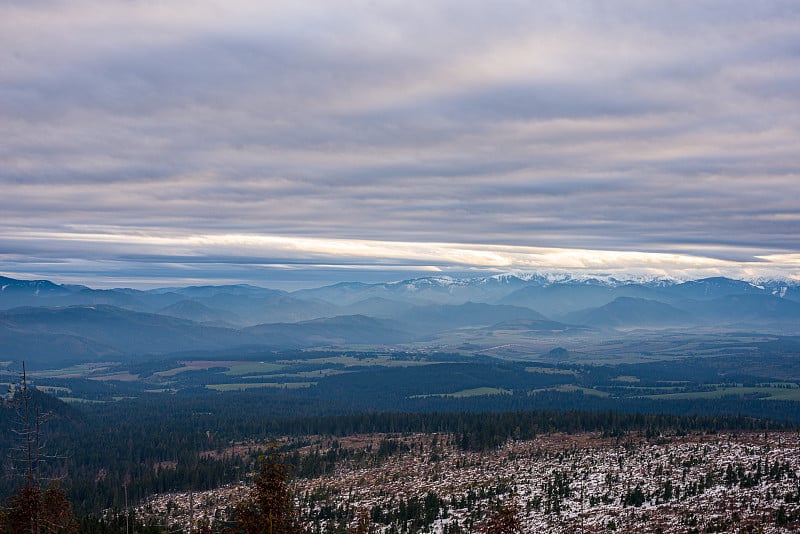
[{"x": 148, "y": 143}]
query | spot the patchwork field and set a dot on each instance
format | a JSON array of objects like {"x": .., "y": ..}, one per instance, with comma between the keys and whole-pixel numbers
[{"x": 762, "y": 372}]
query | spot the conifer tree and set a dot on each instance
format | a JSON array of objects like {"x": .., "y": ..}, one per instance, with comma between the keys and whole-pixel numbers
[
  {"x": 504, "y": 520},
  {"x": 270, "y": 508}
]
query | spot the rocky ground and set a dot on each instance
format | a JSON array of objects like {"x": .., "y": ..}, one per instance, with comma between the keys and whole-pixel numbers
[{"x": 737, "y": 482}]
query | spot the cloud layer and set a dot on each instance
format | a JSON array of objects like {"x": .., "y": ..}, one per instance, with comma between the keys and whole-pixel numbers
[{"x": 361, "y": 133}]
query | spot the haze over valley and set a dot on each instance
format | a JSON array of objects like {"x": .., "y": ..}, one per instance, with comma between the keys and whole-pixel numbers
[
  {"x": 378, "y": 267},
  {"x": 504, "y": 315},
  {"x": 416, "y": 384}
]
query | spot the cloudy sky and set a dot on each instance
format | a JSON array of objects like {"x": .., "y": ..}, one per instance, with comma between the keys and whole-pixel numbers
[{"x": 150, "y": 143}]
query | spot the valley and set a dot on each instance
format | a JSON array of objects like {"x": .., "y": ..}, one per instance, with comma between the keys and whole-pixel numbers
[{"x": 483, "y": 404}]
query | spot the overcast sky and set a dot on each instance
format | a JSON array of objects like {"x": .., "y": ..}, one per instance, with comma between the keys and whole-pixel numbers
[{"x": 152, "y": 143}]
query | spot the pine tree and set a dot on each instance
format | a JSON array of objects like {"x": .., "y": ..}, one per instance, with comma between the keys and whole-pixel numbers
[
  {"x": 270, "y": 509},
  {"x": 504, "y": 520},
  {"x": 363, "y": 523}
]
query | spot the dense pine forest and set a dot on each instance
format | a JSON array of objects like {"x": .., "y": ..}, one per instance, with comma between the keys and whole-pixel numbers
[{"x": 110, "y": 445}]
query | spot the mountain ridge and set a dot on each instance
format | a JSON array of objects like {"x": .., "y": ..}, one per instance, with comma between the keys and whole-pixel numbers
[{"x": 79, "y": 322}]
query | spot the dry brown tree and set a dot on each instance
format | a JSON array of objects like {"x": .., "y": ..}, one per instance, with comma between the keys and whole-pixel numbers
[
  {"x": 270, "y": 508},
  {"x": 504, "y": 520}
]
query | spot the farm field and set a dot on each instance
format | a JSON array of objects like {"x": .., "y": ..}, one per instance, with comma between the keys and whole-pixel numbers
[{"x": 668, "y": 370}]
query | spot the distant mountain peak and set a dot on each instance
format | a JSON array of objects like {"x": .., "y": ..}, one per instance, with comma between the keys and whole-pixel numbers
[
  {"x": 37, "y": 285},
  {"x": 431, "y": 281},
  {"x": 545, "y": 278}
]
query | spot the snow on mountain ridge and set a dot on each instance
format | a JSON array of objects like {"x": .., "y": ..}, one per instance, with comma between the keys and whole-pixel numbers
[{"x": 554, "y": 277}]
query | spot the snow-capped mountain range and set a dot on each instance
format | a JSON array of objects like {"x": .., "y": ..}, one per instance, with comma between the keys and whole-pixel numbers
[{"x": 41, "y": 318}]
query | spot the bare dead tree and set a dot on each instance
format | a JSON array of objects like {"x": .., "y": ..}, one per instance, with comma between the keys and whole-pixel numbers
[{"x": 34, "y": 509}]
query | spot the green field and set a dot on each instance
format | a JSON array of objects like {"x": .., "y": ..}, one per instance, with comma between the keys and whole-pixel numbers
[
  {"x": 550, "y": 371},
  {"x": 367, "y": 361},
  {"x": 320, "y": 373},
  {"x": 54, "y": 389},
  {"x": 768, "y": 393},
  {"x": 253, "y": 368},
  {"x": 254, "y": 385},
  {"x": 569, "y": 388},
  {"x": 474, "y": 392},
  {"x": 76, "y": 371},
  {"x": 626, "y": 379}
]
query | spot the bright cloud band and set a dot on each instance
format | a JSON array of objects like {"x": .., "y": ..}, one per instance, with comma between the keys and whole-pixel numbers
[{"x": 349, "y": 253}]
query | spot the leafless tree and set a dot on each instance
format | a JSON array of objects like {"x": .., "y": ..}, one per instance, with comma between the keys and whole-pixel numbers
[{"x": 34, "y": 509}]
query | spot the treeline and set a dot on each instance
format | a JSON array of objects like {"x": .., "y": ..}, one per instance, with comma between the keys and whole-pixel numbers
[
  {"x": 481, "y": 431},
  {"x": 239, "y": 415}
]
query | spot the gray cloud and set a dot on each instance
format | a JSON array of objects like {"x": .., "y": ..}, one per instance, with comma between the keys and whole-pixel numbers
[{"x": 618, "y": 126}]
